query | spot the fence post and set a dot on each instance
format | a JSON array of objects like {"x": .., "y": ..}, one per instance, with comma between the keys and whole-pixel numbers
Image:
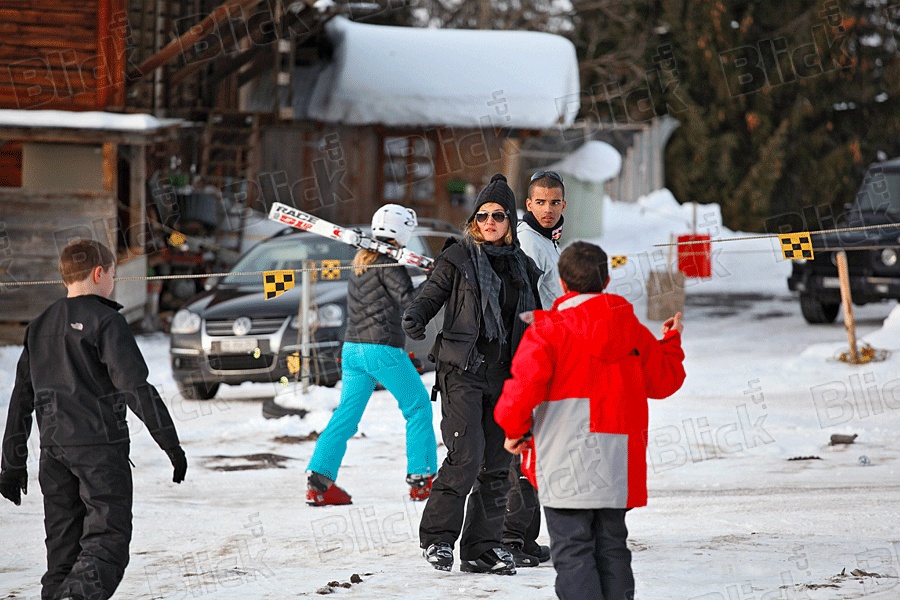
[
  {"x": 304, "y": 323},
  {"x": 847, "y": 301}
]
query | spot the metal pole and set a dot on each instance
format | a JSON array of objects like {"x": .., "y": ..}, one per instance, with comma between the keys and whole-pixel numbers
[
  {"x": 304, "y": 343},
  {"x": 849, "y": 323}
]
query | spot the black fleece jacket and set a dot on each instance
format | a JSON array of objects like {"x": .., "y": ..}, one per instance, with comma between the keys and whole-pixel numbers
[{"x": 78, "y": 371}]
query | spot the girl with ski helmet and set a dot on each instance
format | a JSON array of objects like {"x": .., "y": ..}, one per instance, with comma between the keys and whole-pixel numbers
[{"x": 372, "y": 353}]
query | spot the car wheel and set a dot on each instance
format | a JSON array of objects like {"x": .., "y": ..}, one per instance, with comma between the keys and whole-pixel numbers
[
  {"x": 815, "y": 311},
  {"x": 198, "y": 391}
]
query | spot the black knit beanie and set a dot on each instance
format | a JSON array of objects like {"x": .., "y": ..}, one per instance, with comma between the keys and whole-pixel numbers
[{"x": 497, "y": 191}]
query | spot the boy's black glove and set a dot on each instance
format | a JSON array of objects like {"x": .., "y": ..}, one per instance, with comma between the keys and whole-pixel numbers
[
  {"x": 14, "y": 483},
  {"x": 179, "y": 462},
  {"x": 413, "y": 328}
]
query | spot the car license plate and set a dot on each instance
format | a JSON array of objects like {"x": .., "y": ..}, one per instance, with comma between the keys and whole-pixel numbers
[
  {"x": 239, "y": 345},
  {"x": 831, "y": 282}
]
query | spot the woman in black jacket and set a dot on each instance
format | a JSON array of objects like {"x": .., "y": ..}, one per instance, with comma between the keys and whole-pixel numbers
[
  {"x": 372, "y": 353},
  {"x": 483, "y": 282}
]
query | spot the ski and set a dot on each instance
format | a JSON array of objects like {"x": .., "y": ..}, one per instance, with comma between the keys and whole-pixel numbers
[{"x": 288, "y": 215}]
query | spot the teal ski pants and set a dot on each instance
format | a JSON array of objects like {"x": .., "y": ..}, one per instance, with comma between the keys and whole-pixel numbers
[{"x": 363, "y": 366}]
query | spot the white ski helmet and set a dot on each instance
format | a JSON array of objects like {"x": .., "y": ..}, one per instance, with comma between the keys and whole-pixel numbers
[{"x": 394, "y": 222}]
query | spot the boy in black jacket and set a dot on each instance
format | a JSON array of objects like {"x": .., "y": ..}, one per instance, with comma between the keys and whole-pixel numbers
[{"x": 78, "y": 371}]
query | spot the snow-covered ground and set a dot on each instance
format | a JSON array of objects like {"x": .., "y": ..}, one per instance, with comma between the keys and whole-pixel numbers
[{"x": 730, "y": 516}]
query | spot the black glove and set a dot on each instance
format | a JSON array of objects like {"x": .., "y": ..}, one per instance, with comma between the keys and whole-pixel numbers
[
  {"x": 413, "y": 328},
  {"x": 14, "y": 483},
  {"x": 179, "y": 462}
]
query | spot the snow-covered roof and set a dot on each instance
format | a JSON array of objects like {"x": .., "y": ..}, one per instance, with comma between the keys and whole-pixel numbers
[
  {"x": 470, "y": 78},
  {"x": 594, "y": 162},
  {"x": 64, "y": 119}
]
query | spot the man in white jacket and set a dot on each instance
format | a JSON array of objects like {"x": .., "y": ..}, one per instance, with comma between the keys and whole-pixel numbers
[
  {"x": 538, "y": 233},
  {"x": 540, "y": 228}
]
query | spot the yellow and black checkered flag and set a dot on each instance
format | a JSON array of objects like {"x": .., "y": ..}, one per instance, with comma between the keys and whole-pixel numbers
[
  {"x": 176, "y": 239},
  {"x": 277, "y": 282},
  {"x": 293, "y": 363},
  {"x": 331, "y": 269},
  {"x": 796, "y": 246},
  {"x": 618, "y": 260}
]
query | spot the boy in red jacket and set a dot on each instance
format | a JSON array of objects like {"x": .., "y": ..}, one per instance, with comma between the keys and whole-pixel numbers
[{"x": 580, "y": 382}]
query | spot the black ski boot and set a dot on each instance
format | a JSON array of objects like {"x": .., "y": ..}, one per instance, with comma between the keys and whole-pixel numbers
[
  {"x": 535, "y": 549},
  {"x": 497, "y": 561},
  {"x": 440, "y": 556},
  {"x": 522, "y": 558}
]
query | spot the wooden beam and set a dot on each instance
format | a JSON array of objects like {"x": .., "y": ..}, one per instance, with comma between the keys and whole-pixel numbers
[
  {"x": 299, "y": 25},
  {"x": 104, "y": 57},
  {"x": 110, "y": 167},
  {"x": 64, "y": 135},
  {"x": 195, "y": 34},
  {"x": 229, "y": 65},
  {"x": 138, "y": 200},
  {"x": 261, "y": 62}
]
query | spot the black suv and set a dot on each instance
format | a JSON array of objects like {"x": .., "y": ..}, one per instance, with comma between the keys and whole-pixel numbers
[
  {"x": 230, "y": 334},
  {"x": 872, "y": 254}
]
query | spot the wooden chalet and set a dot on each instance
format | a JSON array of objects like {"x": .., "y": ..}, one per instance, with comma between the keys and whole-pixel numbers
[
  {"x": 277, "y": 100},
  {"x": 71, "y": 165}
]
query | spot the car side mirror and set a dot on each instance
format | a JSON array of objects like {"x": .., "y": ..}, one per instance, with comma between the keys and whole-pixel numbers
[{"x": 210, "y": 283}]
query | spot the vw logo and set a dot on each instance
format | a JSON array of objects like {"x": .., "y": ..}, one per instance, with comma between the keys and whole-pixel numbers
[{"x": 242, "y": 326}]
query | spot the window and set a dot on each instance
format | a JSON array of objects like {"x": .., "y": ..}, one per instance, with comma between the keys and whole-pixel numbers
[{"x": 408, "y": 169}]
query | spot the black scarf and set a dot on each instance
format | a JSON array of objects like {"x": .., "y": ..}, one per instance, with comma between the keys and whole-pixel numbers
[
  {"x": 489, "y": 286},
  {"x": 551, "y": 234}
]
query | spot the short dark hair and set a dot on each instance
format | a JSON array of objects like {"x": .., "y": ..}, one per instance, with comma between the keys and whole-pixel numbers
[
  {"x": 80, "y": 257},
  {"x": 584, "y": 267},
  {"x": 546, "y": 182}
]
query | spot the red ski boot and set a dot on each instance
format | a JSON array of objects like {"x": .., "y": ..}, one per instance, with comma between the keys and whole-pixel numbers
[
  {"x": 321, "y": 491},
  {"x": 419, "y": 486}
]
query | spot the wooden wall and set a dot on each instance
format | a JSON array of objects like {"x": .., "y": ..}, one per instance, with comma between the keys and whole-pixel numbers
[
  {"x": 292, "y": 158},
  {"x": 327, "y": 171},
  {"x": 11, "y": 164},
  {"x": 62, "y": 54},
  {"x": 37, "y": 225}
]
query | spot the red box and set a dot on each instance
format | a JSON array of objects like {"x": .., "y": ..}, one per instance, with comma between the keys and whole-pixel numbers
[{"x": 695, "y": 260}]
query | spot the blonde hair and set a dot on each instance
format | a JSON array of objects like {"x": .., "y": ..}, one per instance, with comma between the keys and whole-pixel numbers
[
  {"x": 473, "y": 233},
  {"x": 364, "y": 258}
]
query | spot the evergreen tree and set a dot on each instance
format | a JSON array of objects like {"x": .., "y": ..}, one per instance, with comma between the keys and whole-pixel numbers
[{"x": 787, "y": 104}]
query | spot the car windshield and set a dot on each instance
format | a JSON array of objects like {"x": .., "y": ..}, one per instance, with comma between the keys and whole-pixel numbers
[
  {"x": 286, "y": 253},
  {"x": 880, "y": 194}
]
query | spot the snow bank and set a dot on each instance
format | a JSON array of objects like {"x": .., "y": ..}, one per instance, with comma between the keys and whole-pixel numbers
[
  {"x": 633, "y": 229},
  {"x": 594, "y": 162}
]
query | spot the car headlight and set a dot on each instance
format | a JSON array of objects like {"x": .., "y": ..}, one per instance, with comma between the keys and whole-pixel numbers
[
  {"x": 889, "y": 257},
  {"x": 185, "y": 321},
  {"x": 331, "y": 315},
  {"x": 328, "y": 315}
]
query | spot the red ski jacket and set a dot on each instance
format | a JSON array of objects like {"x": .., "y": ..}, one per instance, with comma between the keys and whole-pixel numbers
[{"x": 580, "y": 381}]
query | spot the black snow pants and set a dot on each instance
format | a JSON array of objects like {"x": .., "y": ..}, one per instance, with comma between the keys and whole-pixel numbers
[
  {"x": 87, "y": 517},
  {"x": 523, "y": 511},
  {"x": 474, "y": 479},
  {"x": 590, "y": 553}
]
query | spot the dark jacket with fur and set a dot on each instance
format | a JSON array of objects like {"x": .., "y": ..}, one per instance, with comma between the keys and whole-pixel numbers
[{"x": 454, "y": 283}]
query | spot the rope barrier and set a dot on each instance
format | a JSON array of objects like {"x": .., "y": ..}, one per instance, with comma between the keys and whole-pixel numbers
[
  {"x": 386, "y": 265},
  {"x": 775, "y": 236},
  {"x": 205, "y": 275}
]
